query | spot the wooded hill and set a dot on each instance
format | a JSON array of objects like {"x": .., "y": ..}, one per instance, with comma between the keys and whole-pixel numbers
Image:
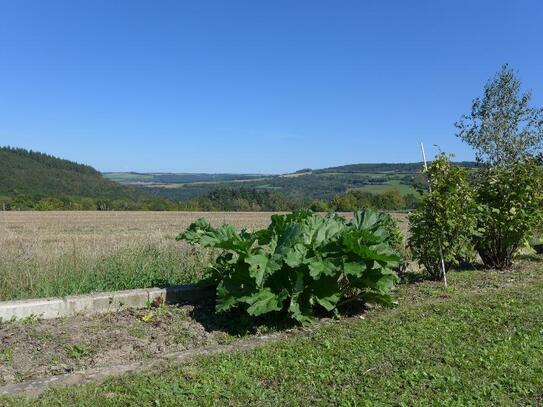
[
  {"x": 33, "y": 173},
  {"x": 33, "y": 180}
]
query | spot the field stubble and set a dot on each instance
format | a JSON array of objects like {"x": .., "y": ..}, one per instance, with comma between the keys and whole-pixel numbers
[
  {"x": 45, "y": 254},
  {"x": 57, "y": 253}
]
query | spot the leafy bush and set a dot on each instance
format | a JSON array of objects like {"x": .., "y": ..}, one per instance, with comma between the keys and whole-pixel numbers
[
  {"x": 510, "y": 202},
  {"x": 445, "y": 220},
  {"x": 396, "y": 241},
  {"x": 301, "y": 263}
]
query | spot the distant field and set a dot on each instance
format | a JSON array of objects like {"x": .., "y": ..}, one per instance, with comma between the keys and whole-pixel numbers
[
  {"x": 175, "y": 178},
  {"x": 55, "y": 233},
  {"x": 128, "y": 177},
  {"x": 58, "y": 253},
  {"x": 390, "y": 185}
]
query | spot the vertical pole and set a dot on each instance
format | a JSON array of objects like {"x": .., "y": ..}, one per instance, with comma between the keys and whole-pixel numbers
[{"x": 439, "y": 240}]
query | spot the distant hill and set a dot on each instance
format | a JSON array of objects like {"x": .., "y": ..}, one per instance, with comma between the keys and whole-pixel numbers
[
  {"x": 37, "y": 174},
  {"x": 303, "y": 184},
  {"x": 169, "y": 178},
  {"x": 398, "y": 168}
]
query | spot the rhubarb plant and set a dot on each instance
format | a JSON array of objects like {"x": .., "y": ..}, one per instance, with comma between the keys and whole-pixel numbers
[{"x": 301, "y": 263}]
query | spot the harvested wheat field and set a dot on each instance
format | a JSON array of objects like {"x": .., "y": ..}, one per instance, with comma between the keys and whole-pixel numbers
[
  {"x": 55, "y": 232},
  {"x": 57, "y": 253},
  {"x": 46, "y": 254}
]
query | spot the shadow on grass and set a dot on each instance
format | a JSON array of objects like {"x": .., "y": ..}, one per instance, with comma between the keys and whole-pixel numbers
[
  {"x": 468, "y": 266},
  {"x": 238, "y": 322},
  {"x": 412, "y": 277}
]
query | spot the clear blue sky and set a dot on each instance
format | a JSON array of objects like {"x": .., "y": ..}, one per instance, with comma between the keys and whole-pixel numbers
[{"x": 253, "y": 86}]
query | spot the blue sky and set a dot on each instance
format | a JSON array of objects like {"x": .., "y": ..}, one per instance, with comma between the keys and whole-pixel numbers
[{"x": 253, "y": 86}]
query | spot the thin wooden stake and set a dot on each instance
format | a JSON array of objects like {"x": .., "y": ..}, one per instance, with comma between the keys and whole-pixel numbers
[{"x": 438, "y": 240}]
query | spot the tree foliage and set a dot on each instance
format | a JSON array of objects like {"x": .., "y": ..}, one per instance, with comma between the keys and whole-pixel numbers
[
  {"x": 301, "y": 263},
  {"x": 24, "y": 172},
  {"x": 502, "y": 127},
  {"x": 445, "y": 220},
  {"x": 506, "y": 133},
  {"x": 510, "y": 207}
]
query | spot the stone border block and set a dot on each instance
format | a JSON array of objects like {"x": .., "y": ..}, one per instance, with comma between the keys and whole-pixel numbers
[
  {"x": 100, "y": 303},
  {"x": 45, "y": 308}
]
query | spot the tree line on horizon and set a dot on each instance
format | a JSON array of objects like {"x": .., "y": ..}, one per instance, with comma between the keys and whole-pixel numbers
[{"x": 225, "y": 199}]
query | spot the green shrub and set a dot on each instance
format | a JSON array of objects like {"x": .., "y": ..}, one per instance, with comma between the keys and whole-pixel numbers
[
  {"x": 344, "y": 203},
  {"x": 318, "y": 205},
  {"x": 301, "y": 263},
  {"x": 510, "y": 202},
  {"x": 445, "y": 220}
]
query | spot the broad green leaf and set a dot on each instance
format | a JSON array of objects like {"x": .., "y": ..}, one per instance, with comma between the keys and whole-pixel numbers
[
  {"x": 354, "y": 269},
  {"x": 261, "y": 266},
  {"x": 318, "y": 268},
  {"x": 295, "y": 255},
  {"x": 326, "y": 231},
  {"x": 295, "y": 264},
  {"x": 326, "y": 292},
  {"x": 234, "y": 286},
  {"x": 289, "y": 238},
  {"x": 265, "y": 301},
  {"x": 365, "y": 219}
]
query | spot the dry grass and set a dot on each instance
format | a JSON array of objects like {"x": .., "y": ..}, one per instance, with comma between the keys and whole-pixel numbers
[
  {"x": 58, "y": 253},
  {"x": 50, "y": 234}
]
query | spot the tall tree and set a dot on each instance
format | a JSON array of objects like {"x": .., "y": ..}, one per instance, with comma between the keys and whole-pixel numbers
[{"x": 502, "y": 127}]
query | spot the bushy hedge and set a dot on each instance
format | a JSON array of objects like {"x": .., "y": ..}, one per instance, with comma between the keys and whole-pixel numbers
[
  {"x": 444, "y": 222},
  {"x": 510, "y": 207},
  {"x": 495, "y": 215}
]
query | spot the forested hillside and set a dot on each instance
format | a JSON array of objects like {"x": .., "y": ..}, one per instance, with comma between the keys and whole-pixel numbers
[
  {"x": 383, "y": 168},
  {"x": 33, "y": 180},
  {"x": 34, "y": 173}
]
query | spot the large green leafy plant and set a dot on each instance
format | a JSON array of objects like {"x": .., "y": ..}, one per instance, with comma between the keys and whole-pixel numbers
[
  {"x": 301, "y": 263},
  {"x": 443, "y": 223},
  {"x": 510, "y": 207}
]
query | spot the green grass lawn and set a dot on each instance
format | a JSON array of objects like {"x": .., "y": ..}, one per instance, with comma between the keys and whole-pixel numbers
[{"x": 479, "y": 343}]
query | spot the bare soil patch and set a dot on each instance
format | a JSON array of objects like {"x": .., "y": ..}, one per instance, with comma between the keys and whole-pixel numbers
[{"x": 33, "y": 349}]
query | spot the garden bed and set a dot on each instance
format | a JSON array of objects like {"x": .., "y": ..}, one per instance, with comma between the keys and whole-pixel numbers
[{"x": 32, "y": 348}]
